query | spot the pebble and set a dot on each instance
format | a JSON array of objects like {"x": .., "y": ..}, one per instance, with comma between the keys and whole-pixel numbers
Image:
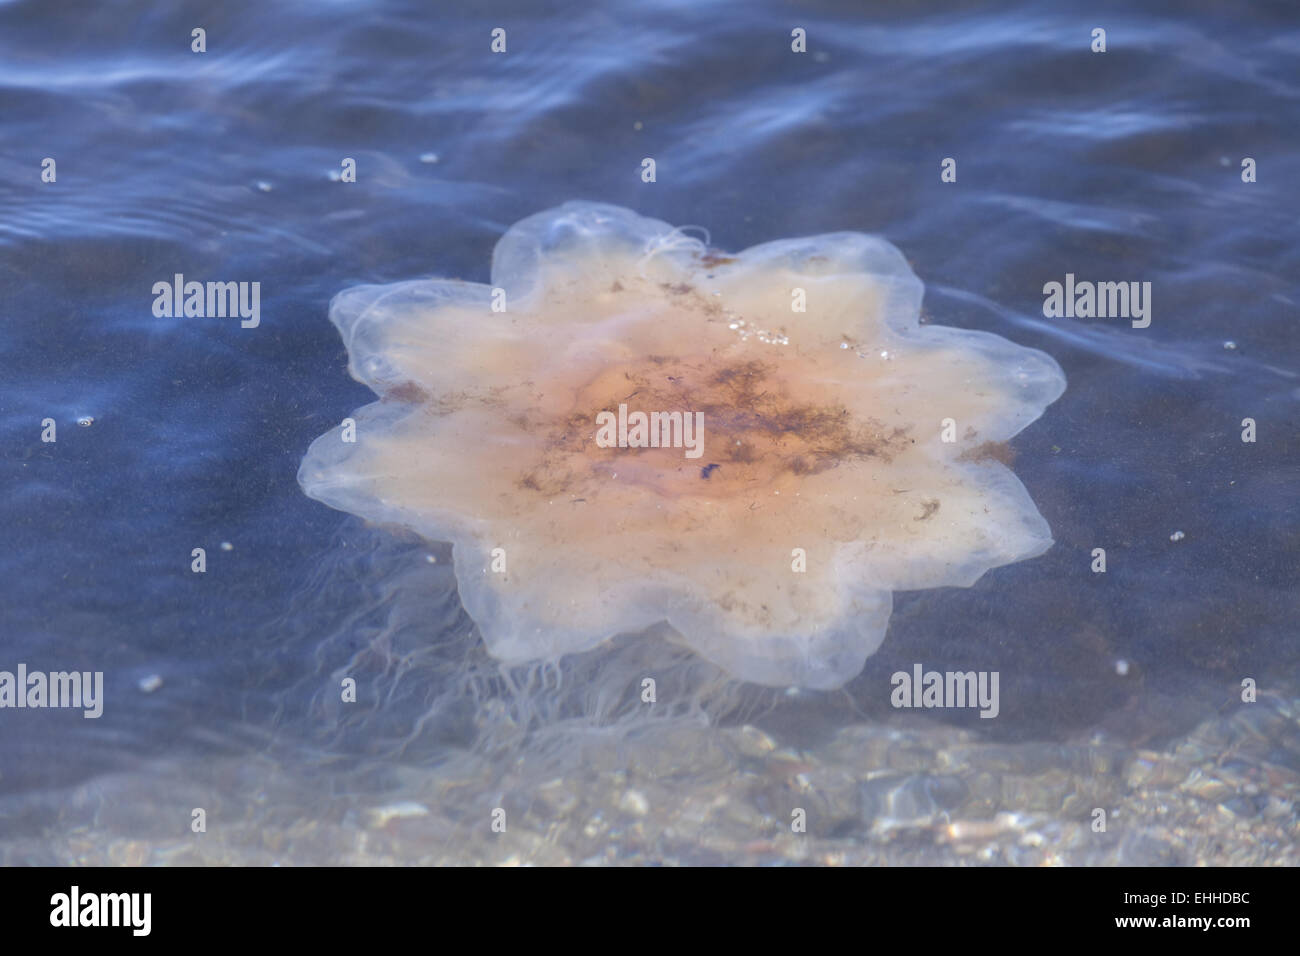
[
  {"x": 380, "y": 816},
  {"x": 752, "y": 742},
  {"x": 635, "y": 803}
]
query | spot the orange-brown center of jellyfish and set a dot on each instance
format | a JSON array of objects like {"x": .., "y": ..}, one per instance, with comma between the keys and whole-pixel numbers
[{"x": 761, "y": 425}]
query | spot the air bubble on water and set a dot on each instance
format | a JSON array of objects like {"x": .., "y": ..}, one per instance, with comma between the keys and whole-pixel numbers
[
  {"x": 150, "y": 684},
  {"x": 429, "y": 158},
  {"x": 263, "y": 185},
  {"x": 1230, "y": 345},
  {"x": 432, "y": 559},
  {"x": 1121, "y": 667},
  {"x": 85, "y": 421},
  {"x": 1177, "y": 536},
  {"x": 227, "y": 546}
]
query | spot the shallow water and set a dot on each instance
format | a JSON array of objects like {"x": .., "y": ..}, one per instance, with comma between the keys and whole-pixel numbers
[{"x": 1118, "y": 690}]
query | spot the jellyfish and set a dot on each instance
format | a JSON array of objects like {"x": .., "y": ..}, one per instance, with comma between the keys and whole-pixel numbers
[{"x": 627, "y": 430}]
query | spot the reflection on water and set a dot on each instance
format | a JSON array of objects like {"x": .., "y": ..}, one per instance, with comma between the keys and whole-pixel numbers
[{"x": 1119, "y": 691}]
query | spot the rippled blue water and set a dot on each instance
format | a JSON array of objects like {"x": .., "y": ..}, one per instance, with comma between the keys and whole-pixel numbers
[{"x": 223, "y": 165}]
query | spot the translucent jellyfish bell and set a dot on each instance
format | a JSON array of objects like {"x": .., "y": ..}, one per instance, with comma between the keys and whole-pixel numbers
[{"x": 823, "y": 480}]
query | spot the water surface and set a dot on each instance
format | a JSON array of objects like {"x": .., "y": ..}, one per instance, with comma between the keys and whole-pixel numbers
[{"x": 1119, "y": 690}]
